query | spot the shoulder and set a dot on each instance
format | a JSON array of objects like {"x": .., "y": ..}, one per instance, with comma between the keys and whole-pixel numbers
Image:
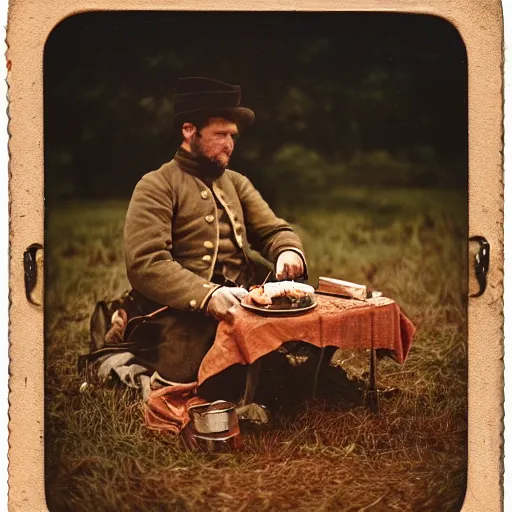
[
  {"x": 238, "y": 179},
  {"x": 166, "y": 172},
  {"x": 165, "y": 177},
  {"x": 234, "y": 174}
]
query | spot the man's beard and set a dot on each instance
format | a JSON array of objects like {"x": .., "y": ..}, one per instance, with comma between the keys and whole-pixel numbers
[{"x": 206, "y": 160}]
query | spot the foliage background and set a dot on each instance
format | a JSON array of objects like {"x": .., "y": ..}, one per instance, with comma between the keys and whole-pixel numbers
[{"x": 340, "y": 98}]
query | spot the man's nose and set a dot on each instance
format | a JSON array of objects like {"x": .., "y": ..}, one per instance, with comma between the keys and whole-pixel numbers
[{"x": 231, "y": 141}]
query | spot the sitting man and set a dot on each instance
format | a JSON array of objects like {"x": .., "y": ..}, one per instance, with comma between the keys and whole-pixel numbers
[{"x": 190, "y": 232}]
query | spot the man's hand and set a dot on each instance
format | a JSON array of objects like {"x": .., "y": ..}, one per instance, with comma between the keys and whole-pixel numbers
[
  {"x": 223, "y": 301},
  {"x": 289, "y": 266}
]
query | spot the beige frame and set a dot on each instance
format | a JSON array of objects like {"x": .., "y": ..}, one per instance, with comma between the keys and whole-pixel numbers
[{"x": 480, "y": 24}]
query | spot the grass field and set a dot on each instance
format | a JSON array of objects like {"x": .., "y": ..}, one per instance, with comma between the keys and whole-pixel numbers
[{"x": 319, "y": 455}]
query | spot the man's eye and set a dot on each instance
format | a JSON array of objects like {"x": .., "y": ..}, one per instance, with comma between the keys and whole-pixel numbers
[{"x": 225, "y": 135}]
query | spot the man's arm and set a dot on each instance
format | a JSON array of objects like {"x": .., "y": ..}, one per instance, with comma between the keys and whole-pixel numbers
[
  {"x": 147, "y": 246},
  {"x": 267, "y": 233}
]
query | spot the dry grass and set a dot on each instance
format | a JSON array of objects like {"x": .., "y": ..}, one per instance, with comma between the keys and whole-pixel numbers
[{"x": 319, "y": 455}]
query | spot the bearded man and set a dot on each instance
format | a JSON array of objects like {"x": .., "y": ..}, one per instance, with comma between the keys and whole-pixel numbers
[{"x": 190, "y": 230}]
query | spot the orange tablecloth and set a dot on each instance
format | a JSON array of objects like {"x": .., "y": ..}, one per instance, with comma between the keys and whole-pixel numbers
[{"x": 344, "y": 323}]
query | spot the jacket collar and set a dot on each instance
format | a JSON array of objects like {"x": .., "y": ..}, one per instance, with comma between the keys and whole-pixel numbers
[{"x": 198, "y": 166}]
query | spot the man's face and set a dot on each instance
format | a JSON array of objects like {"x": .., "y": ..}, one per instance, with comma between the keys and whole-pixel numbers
[{"x": 215, "y": 141}]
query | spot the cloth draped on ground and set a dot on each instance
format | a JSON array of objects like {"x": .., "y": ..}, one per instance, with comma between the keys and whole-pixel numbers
[
  {"x": 343, "y": 323},
  {"x": 167, "y": 408}
]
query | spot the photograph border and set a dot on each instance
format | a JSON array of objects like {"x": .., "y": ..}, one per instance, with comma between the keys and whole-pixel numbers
[{"x": 480, "y": 25}]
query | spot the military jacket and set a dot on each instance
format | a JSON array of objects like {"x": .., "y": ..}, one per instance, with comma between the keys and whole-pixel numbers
[{"x": 171, "y": 233}]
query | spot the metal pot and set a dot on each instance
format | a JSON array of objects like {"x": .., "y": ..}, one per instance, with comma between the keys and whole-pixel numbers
[{"x": 218, "y": 416}]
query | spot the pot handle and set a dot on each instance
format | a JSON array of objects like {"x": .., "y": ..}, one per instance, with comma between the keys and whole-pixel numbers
[{"x": 212, "y": 404}]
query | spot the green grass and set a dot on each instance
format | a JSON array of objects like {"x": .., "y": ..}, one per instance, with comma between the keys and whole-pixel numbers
[{"x": 320, "y": 455}]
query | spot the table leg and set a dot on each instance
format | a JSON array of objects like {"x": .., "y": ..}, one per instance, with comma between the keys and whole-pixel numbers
[
  {"x": 372, "y": 393},
  {"x": 251, "y": 382},
  {"x": 317, "y": 370}
]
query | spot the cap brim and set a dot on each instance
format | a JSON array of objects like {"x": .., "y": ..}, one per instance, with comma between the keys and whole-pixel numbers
[{"x": 242, "y": 116}]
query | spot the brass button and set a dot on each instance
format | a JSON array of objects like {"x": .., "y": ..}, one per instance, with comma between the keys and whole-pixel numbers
[
  {"x": 207, "y": 285},
  {"x": 204, "y": 194},
  {"x": 208, "y": 244},
  {"x": 209, "y": 218},
  {"x": 193, "y": 303},
  {"x": 207, "y": 257}
]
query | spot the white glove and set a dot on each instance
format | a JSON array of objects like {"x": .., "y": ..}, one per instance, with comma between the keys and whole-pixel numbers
[
  {"x": 239, "y": 293},
  {"x": 223, "y": 302}
]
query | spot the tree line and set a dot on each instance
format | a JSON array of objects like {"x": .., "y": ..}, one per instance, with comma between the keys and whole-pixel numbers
[{"x": 341, "y": 99}]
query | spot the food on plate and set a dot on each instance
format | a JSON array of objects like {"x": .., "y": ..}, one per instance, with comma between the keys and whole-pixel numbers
[
  {"x": 284, "y": 294},
  {"x": 257, "y": 297}
]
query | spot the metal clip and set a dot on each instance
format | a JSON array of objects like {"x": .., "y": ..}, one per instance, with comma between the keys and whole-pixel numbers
[
  {"x": 33, "y": 269},
  {"x": 481, "y": 263}
]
